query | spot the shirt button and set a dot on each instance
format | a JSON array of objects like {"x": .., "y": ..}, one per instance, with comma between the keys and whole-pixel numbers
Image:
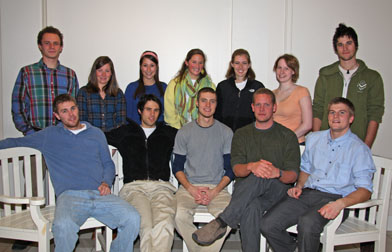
[
  {"x": 333, "y": 149},
  {"x": 330, "y": 162}
]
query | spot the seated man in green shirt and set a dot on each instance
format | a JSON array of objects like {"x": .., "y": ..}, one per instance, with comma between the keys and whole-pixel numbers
[{"x": 266, "y": 157}]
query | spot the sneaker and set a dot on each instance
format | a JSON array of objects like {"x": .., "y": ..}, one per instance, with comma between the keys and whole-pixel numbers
[{"x": 209, "y": 233}]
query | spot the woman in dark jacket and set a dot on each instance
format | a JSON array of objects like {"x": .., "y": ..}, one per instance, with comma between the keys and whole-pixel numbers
[{"x": 236, "y": 92}]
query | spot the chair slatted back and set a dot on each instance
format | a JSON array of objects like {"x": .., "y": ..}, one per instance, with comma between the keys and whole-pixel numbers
[
  {"x": 17, "y": 165},
  {"x": 385, "y": 184},
  {"x": 382, "y": 179}
]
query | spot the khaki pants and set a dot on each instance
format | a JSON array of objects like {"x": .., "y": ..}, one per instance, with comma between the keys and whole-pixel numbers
[
  {"x": 184, "y": 217},
  {"x": 155, "y": 202}
]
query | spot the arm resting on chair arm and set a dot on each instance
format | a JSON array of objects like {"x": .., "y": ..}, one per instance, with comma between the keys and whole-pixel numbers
[
  {"x": 366, "y": 204},
  {"x": 332, "y": 209}
]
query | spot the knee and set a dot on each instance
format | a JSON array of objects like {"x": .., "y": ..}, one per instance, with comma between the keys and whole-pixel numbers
[
  {"x": 181, "y": 215},
  {"x": 269, "y": 225},
  {"x": 64, "y": 225},
  {"x": 133, "y": 219},
  {"x": 308, "y": 225}
]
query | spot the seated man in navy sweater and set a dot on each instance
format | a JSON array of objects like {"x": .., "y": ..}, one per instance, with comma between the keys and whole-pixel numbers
[{"x": 78, "y": 159}]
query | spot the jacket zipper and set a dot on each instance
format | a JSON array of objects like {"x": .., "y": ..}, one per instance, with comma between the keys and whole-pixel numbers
[{"x": 147, "y": 166}]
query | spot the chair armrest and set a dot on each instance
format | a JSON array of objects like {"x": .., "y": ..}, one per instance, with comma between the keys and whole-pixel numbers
[
  {"x": 37, "y": 201},
  {"x": 366, "y": 204},
  {"x": 14, "y": 200},
  {"x": 22, "y": 200}
]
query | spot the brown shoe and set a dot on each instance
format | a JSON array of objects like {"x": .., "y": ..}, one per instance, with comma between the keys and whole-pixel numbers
[{"x": 208, "y": 234}]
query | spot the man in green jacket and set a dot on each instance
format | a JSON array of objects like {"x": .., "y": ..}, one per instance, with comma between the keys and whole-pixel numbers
[{"x": 350, "y": 78}]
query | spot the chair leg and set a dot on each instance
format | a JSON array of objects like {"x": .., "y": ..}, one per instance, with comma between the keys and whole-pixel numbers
[
  {"x": 109, "y": 238},
  {"x": 263, "y": 244},
  {"x": 184, "y": 247},
  {"x": 328, "y": 247},
  {"x": 98, "y": 233},
  {"x": 43, "y": 244}
]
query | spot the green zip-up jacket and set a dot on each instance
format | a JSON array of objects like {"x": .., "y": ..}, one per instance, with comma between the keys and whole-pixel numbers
[{"x": 365, "y": 91}]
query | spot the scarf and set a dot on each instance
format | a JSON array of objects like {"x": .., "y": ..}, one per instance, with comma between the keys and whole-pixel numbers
[{"x": 188, "y": 107}]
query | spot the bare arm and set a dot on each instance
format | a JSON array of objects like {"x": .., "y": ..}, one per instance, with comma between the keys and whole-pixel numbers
[
  {"x": 332, "y": 209},
  {"x": 371, "y": 133},
  {"x": 306, "y": 114},
  {"x": 316, "y": 124}
]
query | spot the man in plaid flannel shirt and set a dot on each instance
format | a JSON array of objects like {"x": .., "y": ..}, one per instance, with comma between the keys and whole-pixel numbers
[{"x": 38, "y": 84}]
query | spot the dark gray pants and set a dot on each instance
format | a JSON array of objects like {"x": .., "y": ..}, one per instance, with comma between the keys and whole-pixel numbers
[
  {"x": 252, "y": 196},
  {"x": 303, "y": 212}
]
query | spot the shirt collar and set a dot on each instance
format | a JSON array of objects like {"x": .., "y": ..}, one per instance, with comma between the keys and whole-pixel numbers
[
  {"x": 41, "y": 62},
  {"x": 340, "y": 140}
]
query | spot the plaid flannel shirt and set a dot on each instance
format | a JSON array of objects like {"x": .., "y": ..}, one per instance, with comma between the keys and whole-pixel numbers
[
  {"x": 106, "y": 114},
  {"x": 35, "y": 89}
]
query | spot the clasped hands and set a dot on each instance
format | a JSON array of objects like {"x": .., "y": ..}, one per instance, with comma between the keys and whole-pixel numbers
[
  {"x": 202, "y": 194},
  {"x": 263, "y": 169}
]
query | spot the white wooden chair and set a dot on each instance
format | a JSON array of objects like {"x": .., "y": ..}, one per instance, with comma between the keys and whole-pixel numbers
[
  {"x": 118, "y": 162},
  {"x": 28, "y": 215},
  {"x": 357, "y": 228}
]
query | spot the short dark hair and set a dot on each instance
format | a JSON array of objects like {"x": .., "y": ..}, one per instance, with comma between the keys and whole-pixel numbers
[
  {"x": 264, "y": 91},
  {"x": 292, "y": 63},
  {"x": 344, "y": 101},
  {"x": 62, "y": 98},
  {"x": 148, "y": 97},
  {"x": 341, "y": 31},
  {"x": 205, "y": 90},
  {"x": 49, "y": 29}
]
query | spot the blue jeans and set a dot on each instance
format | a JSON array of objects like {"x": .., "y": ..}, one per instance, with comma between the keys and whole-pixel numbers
[{"x": 74, "y": 207}]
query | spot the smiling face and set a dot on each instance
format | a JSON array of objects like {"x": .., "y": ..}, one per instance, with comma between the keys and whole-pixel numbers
[
  {"x": 240, "y": 65},
  {"x": 149, "y": 115},
  {"x": 206, "y": 104},
  {"x": 68, "y": 114},
  {"x": 264, "y": 109},
  {"x": 339, "y": 119},
  {"x": 195, "y": 66},
  {"x": 104, "y": 73},
  {"x": 345, "y": 48},
  {"x": 149, "y": 70},
  {"x": 50, "y": 46},
  {"x": 284, "y": 73}
]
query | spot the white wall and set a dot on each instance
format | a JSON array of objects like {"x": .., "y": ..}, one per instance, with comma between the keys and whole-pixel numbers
[{"x": 123, "y": 29}]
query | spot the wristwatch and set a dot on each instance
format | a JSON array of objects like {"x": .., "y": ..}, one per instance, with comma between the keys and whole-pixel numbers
[{"x": 280, "y": 173}]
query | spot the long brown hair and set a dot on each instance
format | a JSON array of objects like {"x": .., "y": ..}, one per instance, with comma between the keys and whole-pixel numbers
[
  {"x": 250, "y": 74},
  {"x": 181, "y": 74},
  {"x": 140, "y": 90},
  {"x": 111, "y": 88}
]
